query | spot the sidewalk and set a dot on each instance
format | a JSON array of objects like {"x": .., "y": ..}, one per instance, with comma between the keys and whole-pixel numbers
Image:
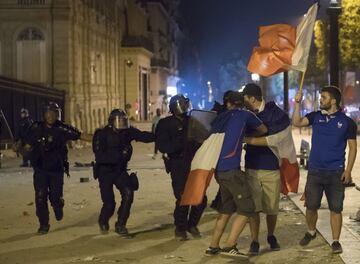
[{"x": 350, "y": 235}]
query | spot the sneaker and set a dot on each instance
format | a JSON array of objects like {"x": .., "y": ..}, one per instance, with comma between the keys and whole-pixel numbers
[
  {"x": 104, "y": 227},
  {"x": 233, "y": 252},
  {"x": 194, "y": 231},
  {"x": 274, "y": 245},
  {"x": 59, "y": 214},
  {"x": 212, "y": 251},
  {"x": 180, "y": 235},
  {"x": 306, "y": 239},
  {"x": 254, "y": 248},
  {"x": 43, "y": 229},
  {"x": 336, "y": 247}
]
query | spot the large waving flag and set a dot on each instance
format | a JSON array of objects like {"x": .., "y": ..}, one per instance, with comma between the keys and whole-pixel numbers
[
  {"x": 283, "y": 47},
  {"x": 202, "y": 169},
  {"x": 282, "y": 145}
]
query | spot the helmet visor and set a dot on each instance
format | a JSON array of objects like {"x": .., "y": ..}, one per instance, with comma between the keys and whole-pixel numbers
[
  {"x": 182, "y": 106},
  {"x": 51, "y": 116},
  {"x": 120, "y": 122}
]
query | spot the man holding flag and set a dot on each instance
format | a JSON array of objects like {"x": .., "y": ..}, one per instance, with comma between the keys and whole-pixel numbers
[{"x": 332, "y": 131}]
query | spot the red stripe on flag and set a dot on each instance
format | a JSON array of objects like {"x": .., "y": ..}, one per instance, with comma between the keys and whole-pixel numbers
[{"x": 195, "y": 188}]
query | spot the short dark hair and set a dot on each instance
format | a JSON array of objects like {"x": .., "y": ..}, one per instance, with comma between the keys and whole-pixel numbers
[
  {"x": 226, "y": 96},
  {"x": 252, "y": 90},
  {"x": 235, "y": 98},
  {"x": 334, "y": 93}
]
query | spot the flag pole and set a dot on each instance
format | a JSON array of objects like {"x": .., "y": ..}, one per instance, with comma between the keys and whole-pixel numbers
[{"x": 302, "y": 81}]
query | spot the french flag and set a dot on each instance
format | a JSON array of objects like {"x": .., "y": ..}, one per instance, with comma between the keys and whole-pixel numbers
[
  {"x": 283, "y": 147},
  {"x": 202, "y": 169}
]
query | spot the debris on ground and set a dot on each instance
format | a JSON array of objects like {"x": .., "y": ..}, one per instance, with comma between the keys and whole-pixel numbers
[
  {"x": 356, "y": 216},
  {"x": 25, "y": 213}
]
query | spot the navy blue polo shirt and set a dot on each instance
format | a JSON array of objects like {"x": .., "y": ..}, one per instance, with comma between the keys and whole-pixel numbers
[
  {"x": 259, "y": 157},
  {"x": 234, "y": 124},
  {"x": 329, "y": 139}
]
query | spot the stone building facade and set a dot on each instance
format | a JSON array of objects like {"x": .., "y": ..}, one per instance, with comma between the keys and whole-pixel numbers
[{"x": 104, "y": 54}]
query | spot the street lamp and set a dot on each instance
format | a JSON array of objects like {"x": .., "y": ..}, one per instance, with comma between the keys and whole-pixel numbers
[
  {"x": 210, "y": 91},
  {"x": 127, "y": 63},
  {"x": 334, "y": 11}
]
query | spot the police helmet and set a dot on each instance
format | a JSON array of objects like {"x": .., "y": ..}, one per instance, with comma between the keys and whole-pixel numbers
[
  {"x": 24, "y": 112},
  {"x": 179, "y": 104},
  {"x": 118, "y": 119},
  {"x": 53, "y": 107}
]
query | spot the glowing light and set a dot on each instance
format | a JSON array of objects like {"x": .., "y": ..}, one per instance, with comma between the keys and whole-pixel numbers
[
  {"x": 255, "y": 77},
  {"x": 171, "y": 90}
]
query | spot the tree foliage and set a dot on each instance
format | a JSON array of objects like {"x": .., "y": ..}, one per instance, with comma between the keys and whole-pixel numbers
[
  {"x": 349, "y": 34},
  {"x": 233, "y": 74},
  {"x": 349, "y": 37},
  {"x": 320, "y": 41}
]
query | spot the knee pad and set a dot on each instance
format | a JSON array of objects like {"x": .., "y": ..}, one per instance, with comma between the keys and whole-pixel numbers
[
  {"x": 110, "y": 207},
  {"x": 40, "y": 196},
  {"x": 127, "y": 195}
]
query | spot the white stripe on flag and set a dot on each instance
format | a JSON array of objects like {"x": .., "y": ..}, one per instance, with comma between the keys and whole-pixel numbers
[{"x": 304, "y": 32}]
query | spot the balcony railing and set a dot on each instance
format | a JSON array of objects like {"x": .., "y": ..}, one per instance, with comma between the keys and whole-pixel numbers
[
  {"x": 31, "y": 2},
  {"x": 160, "y": 63},
  {"x": 137, "y": 41}
]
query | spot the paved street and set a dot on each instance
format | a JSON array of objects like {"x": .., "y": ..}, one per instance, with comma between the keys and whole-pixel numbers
[{"x": 76, "y": 239}]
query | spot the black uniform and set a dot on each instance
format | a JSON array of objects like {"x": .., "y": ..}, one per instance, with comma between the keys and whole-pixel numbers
[
  {"x": 22, "y": 133},
  {"x": 171, "y": 139},
  {"x": 113, "y": 150},
  {"x": 49, "y": 161}
]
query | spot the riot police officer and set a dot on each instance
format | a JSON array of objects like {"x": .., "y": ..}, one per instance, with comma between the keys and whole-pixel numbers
[
  {"x": 48, "y": 155},
  {"x": 171, "y": 139},
  {"x": 113, "y": 150},
  {"x": 22, "y": 132}
]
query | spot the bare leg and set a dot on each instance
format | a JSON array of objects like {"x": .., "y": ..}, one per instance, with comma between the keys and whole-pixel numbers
[
  {"x": 255, "y": 226},
  {"x": 311, "y": 218},
  {"x": 220, "y": 226},
  {"x": 271, "y": 224},
  {"x": 336, "y": 223},
  {"x": 237, "y": 227}
]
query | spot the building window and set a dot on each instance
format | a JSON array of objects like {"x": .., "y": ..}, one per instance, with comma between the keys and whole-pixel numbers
[
  {"x": 31, "y": 55},
  {"x": 31, "y": 2},
  {"x": 31, "y": 34}
]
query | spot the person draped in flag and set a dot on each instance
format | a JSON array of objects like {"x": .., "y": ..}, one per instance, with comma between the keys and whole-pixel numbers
[
  {"x": 234, "y": 188},
  {"x": 332, "y": 132},
  {"x": 171, "y": 139},
  {"x": 220, "y": 108},
  {"x": 262, "y": 167}
]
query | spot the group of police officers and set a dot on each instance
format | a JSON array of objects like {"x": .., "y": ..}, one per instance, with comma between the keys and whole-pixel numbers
[{"x": 44, "y": 143}]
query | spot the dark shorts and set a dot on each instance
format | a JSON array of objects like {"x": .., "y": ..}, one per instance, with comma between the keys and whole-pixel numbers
[
  {"x": 235, "y": 193},
  {"x": 319, "y": 181}
]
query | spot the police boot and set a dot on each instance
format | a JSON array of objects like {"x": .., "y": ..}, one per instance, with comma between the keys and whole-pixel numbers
[
  {"x": 43, "y": 229},
  {"x": 180, "y": 235},
  {"x": 104, "y": 227},
  {"x": 122, "y": 231},
  {"x": 59, "y": 213}
]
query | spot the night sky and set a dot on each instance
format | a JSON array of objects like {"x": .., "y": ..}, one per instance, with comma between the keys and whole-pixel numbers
[{"x": 221, "y": 28}]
